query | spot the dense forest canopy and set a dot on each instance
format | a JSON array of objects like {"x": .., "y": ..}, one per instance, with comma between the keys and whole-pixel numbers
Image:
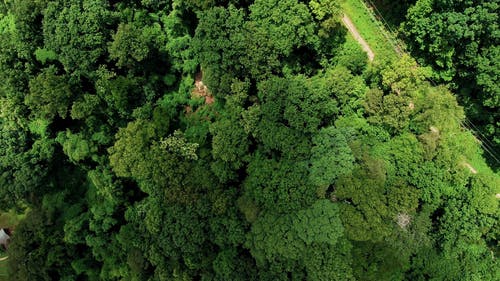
[{"x": 239, "y": 140}]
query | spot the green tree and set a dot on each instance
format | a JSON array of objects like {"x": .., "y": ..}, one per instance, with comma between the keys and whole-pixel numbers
[
  {"x": 331, "y": 157},
  {"x": 77, "y": 32},
  {"x": 458, "y": 39},
  {"x": 50, "y": 95},
  {"x": 128, "y": 45},
  {"x": 296, "y": 243}
]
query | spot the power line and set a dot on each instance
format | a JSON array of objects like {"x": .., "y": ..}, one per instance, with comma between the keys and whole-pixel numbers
[
  {"x": 476, "y": 132},
  {"x": 489, "y": 150},
  {"x": 485, "y": 138},
  {"x": 399, "y": 49},
  {"x": 484, "y": 142},
  {"x": 381, "y": 30},
  {"x": 398, "y": 43}
]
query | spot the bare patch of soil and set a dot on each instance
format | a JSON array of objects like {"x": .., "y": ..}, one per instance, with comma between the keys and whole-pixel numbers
[
  {"x": 403, "y": 220},
  {"x": 201, "y": 89},
  {"x": 411, "y": 105},
  {"x": 434, "y": 129}
]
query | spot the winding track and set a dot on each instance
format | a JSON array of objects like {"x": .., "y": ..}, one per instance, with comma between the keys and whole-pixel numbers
[{"x": 352, "y": 29}]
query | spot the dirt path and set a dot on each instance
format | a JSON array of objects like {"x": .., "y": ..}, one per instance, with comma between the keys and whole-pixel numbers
[
  {"x": 352, "y": 29},
  {"x": 472, "y": 170},
  {"x": 4, "y": 258}
]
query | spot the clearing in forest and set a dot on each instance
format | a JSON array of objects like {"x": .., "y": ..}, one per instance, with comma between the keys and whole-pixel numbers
[{"x": 201, "y": 89}]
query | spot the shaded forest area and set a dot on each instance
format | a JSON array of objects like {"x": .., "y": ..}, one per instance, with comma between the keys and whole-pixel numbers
[{"x": 231, "y": 140}]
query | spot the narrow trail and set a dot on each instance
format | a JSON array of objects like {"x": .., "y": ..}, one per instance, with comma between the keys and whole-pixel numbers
[
  {"x": 352, "y": 29},
  {"x": 469, "y": 166},
  {"x": 4, "y": 258}
]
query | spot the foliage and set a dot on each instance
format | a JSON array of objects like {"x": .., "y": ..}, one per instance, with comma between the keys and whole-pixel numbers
[
  {"x": 459, "y": 40},
  {"x": 235, "y": 140}
]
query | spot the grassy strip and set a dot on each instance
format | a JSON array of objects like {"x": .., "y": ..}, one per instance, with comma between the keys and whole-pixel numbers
[{"x": 370, "y": 29}]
